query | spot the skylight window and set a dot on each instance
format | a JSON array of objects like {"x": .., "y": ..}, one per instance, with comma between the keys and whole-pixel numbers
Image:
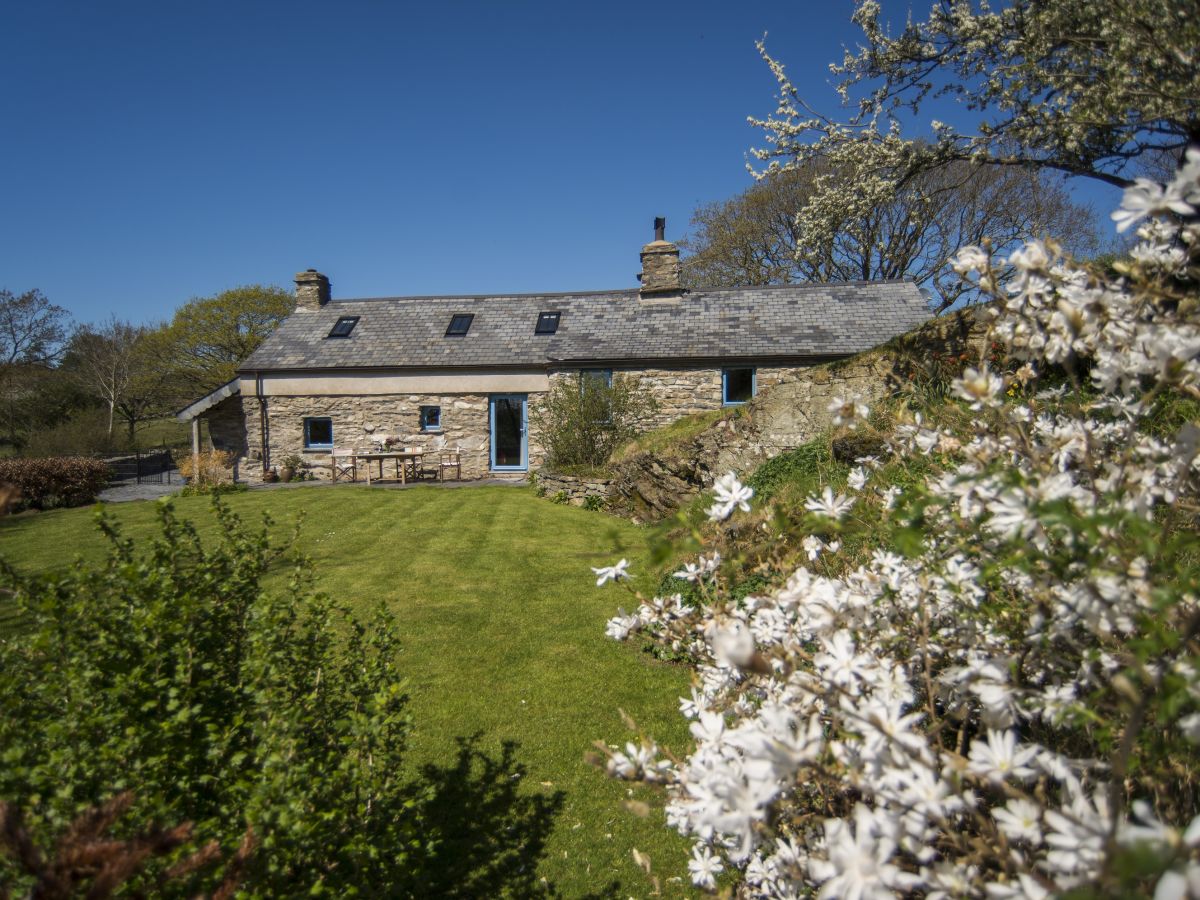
[
  {"x": 547, "y": 323},
  {"x": 344, "y": 326},
  {"x": 460, "y": 324}
]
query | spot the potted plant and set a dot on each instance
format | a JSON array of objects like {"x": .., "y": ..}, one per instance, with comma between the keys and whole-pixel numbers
[
  {"x": 270, "y": 476},
  {"x": 289, "y": 466}
]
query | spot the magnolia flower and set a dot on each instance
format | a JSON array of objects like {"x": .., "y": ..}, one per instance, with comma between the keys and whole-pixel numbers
[
  {"x": 1019, "y": 821},
  {"x": 848, "y": 412},
  {"x": 1145, "y": 197},
  {"x": 999, "y": 759},
  {"x": 705, "y": 867},
  {"x": 857, "y": 478},
  {"x": 732, "y": 643},
  {"x": 981, "y": 387},
  {"x": 611, "y": 573},
  {"x": 969, "y": 259},
  {"x": 828, "y": 505},
  {"x": 619, "y": 627},
  {"x": 1031, "y": 257},
  {"x": 695, "y": 571},
  {"x": 729, "y": 493}
]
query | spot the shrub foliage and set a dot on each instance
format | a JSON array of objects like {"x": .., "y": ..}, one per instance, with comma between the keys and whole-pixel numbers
[
  {"x": 175, "y": 676},
  {"x": 582, "y": 420},
  {"x": 54, "y": 481}
]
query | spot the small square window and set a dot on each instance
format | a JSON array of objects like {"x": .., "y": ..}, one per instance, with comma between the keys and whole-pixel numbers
[
  {"x": 344, "y": 326},
  {"x": 318, "y": 434},
  {"x": 431, "y": 418},
  {"x": 737, "y": 386},
  {"x": 547, "y": 323},
  {"x": 460, "y": 324}
]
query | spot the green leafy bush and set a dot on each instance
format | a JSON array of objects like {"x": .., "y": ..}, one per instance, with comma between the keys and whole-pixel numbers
[
  {"x": 54, "y": 481},
  {"x": 175, "y": 675},
  {"x": 582, "y": 420}
]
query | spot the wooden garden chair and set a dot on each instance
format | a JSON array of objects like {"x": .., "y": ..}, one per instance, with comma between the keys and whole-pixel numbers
[
  {"x": 450, "y": 459},
  {"x": 343, "y": 462}
]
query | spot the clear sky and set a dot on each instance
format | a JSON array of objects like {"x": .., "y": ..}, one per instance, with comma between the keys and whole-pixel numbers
[{"x": 158, "y": 151}]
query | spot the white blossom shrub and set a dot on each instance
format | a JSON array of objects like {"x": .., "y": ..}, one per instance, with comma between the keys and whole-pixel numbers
[{"x": 982, "y": 683}]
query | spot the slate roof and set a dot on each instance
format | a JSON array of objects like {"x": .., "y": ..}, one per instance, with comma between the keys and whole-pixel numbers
[{"x": 785, "y": 322}]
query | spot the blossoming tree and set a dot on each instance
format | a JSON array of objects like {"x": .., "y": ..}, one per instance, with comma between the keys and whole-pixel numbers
[{"x": 999, "y": 694}]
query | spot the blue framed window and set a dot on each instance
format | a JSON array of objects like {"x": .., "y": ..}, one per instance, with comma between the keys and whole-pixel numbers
[
  {"x": 318, "y": 433},
  {"x": 431, "y": 418},
  {"x": 603, "y": 376},
  {"x": 737, "y": 386}
]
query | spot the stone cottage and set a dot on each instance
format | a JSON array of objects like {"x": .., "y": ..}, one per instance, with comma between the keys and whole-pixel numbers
[{"x": 461, "y": 371}]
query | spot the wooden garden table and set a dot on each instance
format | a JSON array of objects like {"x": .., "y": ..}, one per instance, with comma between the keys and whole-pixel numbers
[{"x": 402, "y": 458}]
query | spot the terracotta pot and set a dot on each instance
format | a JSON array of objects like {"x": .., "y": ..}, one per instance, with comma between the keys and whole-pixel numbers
[{"x": 286, "y": 473}]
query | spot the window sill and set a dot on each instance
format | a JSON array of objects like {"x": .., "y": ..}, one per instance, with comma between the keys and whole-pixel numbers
[
  {"x": 317, "y": 449},
  {"x": 431, "y": 430}
]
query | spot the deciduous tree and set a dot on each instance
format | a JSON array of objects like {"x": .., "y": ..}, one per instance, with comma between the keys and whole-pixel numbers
[
  {"x": 32, "y": 330},
  {"x": 757, "y": 237},
  {"x": 212, "y": 335}
]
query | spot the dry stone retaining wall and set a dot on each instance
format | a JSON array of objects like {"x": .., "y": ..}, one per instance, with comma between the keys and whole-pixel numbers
[{"x": 792, "y": 412}]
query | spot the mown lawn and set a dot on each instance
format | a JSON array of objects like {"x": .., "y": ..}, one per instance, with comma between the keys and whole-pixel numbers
[{"x": 503, "y": 642}]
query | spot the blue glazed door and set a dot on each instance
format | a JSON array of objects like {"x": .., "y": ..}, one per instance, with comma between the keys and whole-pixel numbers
[{"x": 507, "y": 415}]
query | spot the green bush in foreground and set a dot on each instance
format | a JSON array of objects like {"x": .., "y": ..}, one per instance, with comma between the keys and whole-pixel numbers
[{"x": 176, "y": 676}]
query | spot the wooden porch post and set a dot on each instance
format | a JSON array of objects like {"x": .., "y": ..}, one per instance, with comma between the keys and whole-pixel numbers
[{"x": 195, "y": 449}]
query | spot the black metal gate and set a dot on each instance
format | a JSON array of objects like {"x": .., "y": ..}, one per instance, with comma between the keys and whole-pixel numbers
[{"x": 141, "y": 467}]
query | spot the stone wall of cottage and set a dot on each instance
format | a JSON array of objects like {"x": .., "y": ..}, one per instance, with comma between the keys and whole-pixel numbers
[
  {"x": 678, "y": 392},
  {"x": 681, "y": 392},
  {"x": 356, "y": 419}
]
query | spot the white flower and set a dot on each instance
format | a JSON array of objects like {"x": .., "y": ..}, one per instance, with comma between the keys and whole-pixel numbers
[
  {"x": 828, "y": 505},
  {"x": 705, "y": 867},
  {"x": 981, "y": 387},
  {"x": 813, "y": 546},
  {"x": 732, "y": 643},
  {"x": 857, "y": 478},
  {"x": 1031, "y": 257},
  {"x": 858, "y": 862},
  {"x": 1190, "y": 726},
  {"x": 999, "y": 759},
  {"x": 890, "y": 494},
  {"x": 969, "y": 259},
  {"x": 611, "y": 573},
  {"x": 729, "y": 493},
  {"x": 697, "y": 570},
  {"x": 848, "y": 412},
  {"x": 1019, "y": 821},
  {"x": 1145, "y": 197},
  {"x": 621, "y": 625}
]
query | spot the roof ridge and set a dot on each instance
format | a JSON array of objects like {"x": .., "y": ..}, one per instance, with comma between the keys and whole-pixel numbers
[{"x": 622, "y": 292}]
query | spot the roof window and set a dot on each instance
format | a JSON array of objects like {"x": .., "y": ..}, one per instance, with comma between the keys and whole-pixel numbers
[
  {"x": 344, "y": 326},
  {"x": 547, "y": 323},
  {"x": 460, "y": 324}
]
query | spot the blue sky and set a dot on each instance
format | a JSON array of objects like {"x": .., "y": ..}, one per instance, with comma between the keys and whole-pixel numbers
[{"x": 156, "y": 151}]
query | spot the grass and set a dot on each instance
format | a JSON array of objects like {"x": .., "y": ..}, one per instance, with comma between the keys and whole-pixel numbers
[
  {"x": 503, "y": 632},
  {"x": 664, "y": 441}
]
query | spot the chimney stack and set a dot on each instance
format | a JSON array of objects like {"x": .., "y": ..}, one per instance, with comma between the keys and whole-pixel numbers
[
  {"x": 660, "y": 275},
  {"x": 312, "y": 290}
]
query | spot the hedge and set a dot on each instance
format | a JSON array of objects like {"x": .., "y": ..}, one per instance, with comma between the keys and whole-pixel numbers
[{"x": 54, "y": 481}]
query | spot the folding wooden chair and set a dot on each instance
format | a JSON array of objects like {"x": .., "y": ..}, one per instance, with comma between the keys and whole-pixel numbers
[
  {"x": 450, "y": 459},
  {"x": 342, "y": 462}
]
